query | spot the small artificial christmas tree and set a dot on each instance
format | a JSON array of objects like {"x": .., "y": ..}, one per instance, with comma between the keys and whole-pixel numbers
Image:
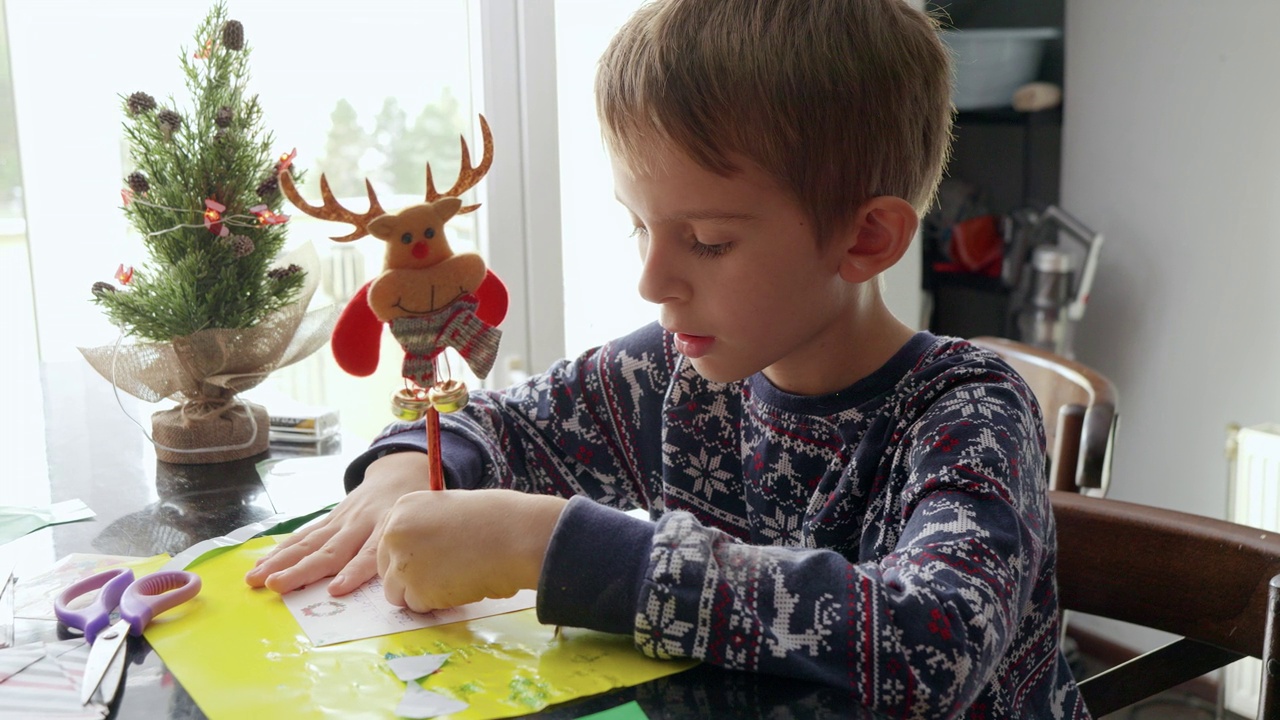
[
  {"x": 205, "y": 198},
  {"x": 214, "y": 308}
]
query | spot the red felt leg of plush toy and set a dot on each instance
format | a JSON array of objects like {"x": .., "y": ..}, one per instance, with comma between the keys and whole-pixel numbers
[
  {"x": 491, "y": 299},
  {"x": 357, "y": 336}
]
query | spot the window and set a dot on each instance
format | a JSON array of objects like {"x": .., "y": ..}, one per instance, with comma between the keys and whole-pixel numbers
[
  {"x": 371, "y": 89},
  {"x": 601, "y": 260},
  {"x": 17, "y": 315}
]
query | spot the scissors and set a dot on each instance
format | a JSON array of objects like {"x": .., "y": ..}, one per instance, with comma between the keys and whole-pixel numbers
[{"x": 138, "y": 600}]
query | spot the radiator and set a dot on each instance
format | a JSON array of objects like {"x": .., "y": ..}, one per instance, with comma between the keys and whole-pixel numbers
[{"x": 1253, "y": 489}]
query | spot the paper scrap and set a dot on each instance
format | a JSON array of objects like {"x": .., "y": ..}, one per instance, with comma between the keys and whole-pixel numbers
[
  {"x": 7, "y": 594},
  {"x": 420, "y": 703},
  {"x": 629, "y": 711},
  {"x": 412, "y": 667},
  {"x": 365, "y": 612},
  {"x": 15, "y": 660},
  {"x": 16, "y": 521},
  {"x": 49, "y": 686}
]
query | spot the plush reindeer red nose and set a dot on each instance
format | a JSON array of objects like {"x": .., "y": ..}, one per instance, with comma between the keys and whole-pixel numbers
[{"x": 419, "y": 250}]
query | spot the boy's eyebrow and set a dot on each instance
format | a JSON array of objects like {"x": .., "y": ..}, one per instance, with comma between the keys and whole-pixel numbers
[{"x": 713, "y": 215}]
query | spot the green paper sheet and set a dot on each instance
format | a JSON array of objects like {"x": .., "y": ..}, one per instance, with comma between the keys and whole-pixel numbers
[
  {"x": 630, "y": 711},
  {"x": 239, "y": 653},
  {"x": 18, "y": 521}
]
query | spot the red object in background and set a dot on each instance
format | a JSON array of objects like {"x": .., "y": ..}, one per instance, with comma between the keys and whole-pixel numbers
[{"x": 975, "y": 247}]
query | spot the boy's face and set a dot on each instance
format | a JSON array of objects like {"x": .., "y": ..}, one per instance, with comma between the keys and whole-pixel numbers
[{"x": 739, "y": 276}]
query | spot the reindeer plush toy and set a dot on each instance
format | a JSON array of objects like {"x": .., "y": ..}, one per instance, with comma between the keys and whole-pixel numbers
[{"x": 430, "y": 296}]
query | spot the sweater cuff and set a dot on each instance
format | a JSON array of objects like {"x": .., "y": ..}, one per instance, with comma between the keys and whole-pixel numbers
[
  {"x": 462, "y": 461},
  {"x": 594, "y": 568}
]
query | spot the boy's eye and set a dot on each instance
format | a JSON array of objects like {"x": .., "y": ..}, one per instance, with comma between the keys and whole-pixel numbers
[
  {"x": 709, "y": 251},
  {"x": 639, "y": 231},
  {"x": 406, "y": 238},
  {"x": 429, "y": 233}
]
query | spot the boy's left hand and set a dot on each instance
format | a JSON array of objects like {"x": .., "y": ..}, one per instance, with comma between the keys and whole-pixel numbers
[{"x": 444, "y": 548}]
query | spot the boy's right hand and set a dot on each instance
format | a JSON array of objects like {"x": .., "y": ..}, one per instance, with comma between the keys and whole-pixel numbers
[{"x": 344, "y": 542}]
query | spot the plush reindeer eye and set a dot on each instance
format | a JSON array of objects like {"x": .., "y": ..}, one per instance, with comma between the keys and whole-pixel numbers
[
  {"x": 406, "y": 238},
  {"x": 430, "y": 233}
]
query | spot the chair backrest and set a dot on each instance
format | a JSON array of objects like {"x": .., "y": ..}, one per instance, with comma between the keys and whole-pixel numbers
[
  {"x": 1216, "y": 584},
  {"x": 1081, "y": 411}
]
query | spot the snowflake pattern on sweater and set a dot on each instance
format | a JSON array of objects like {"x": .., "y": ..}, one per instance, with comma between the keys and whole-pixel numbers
[{"x": 893, "y": 539}]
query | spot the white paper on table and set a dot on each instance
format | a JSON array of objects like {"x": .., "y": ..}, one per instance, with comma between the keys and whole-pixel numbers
[
  {"x": 412, "y": 667},
  {"x": 365, "y": 612},
  {"x": 420, "y": 703}
]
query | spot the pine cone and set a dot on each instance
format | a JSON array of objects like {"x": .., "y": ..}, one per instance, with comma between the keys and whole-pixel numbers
[
  {"x": 140, "y": 102},
  {"x": 223, "y": 117},
  {"x": 137, "y": 182},
  {"x": 101, "y": 287},
  {"x": 241, "y": 245},
  {"x": 284, "y": 272},
  {"x": 169, "y": 121},
  {"x": 220, "y": 136},
  {"x": 269, "y": 188},
  {"x": 233, "y": 35}
]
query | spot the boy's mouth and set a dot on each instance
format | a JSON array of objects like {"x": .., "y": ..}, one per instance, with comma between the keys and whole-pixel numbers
[{"x": 693, "y": 346}]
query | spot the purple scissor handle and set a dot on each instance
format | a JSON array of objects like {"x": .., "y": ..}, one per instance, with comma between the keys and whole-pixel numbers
[
  {"x": 139, "y": 601},
  {"x": 97, "y": 615},
  {"x": 155, "y": 593}
]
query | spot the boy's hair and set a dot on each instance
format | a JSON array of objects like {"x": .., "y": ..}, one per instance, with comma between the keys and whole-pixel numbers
[{"x": 839, "y": 100}]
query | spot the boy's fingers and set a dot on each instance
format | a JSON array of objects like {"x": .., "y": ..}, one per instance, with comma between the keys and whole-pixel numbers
[
  {"x": 415, "y": 603},
  {"x": 289, "y": 550},
  {"x": 300, "y": 565},
  {"x": 308, "y": 539},
  {"x": 393, "y": 589},
  {"x": 278, "y": 560},
  {"x": 307, "y": 571},
  {"x": 357, "y": 572}
]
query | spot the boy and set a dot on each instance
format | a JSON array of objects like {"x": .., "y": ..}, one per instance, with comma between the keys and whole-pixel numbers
[{"x": 832, "y": 496}]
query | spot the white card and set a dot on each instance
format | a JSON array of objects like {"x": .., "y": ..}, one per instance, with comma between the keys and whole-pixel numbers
[{"x": 365, "y": 612}]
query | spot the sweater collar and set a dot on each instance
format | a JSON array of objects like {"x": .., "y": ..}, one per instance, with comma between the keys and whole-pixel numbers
[{"x": 870, "y": 387}]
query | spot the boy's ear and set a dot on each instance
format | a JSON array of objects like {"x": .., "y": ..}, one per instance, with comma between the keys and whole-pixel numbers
[{"x": 877, "y": 238}]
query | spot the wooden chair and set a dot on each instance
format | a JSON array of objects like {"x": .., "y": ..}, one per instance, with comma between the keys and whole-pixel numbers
[
  {"x": 1080, "y": 407},
  {"x": 1215, "y": 584}
]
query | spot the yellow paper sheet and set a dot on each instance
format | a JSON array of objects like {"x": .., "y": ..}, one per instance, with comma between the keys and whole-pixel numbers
[{"x": 239, "y": 653}]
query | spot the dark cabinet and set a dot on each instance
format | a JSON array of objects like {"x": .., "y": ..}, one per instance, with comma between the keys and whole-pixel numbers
[{"x": 1006, "y": 161}]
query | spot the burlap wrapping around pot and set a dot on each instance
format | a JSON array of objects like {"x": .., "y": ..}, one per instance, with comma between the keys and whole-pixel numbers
[
  {"x": 188, "y": 439},
  {"x": 204, "y": 371}
]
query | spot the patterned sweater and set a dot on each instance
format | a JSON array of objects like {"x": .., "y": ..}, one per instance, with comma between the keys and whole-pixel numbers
[{"x": 893, "y": 539}]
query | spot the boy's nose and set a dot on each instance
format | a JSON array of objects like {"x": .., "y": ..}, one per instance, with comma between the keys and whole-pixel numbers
[{"x": 660, "y": 280}]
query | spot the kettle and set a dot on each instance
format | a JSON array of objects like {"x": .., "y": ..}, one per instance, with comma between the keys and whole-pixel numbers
[{"x": 1049, "y": 300}]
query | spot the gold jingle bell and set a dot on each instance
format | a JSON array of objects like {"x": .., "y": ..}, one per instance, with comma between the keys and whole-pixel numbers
[
  {"x": 448, "y": 396},
  {"x": 410, "y": 404}
]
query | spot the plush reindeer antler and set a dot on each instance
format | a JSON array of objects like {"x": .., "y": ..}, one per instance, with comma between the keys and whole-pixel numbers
[
  {"x": 468, "y": 176},
  {"x": 331, "y": 210}
]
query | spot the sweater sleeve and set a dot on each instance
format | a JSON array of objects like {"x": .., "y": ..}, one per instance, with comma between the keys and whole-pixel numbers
[
  {"x": 573, "y": 430},
  {"x": 918, "y": 631}
]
